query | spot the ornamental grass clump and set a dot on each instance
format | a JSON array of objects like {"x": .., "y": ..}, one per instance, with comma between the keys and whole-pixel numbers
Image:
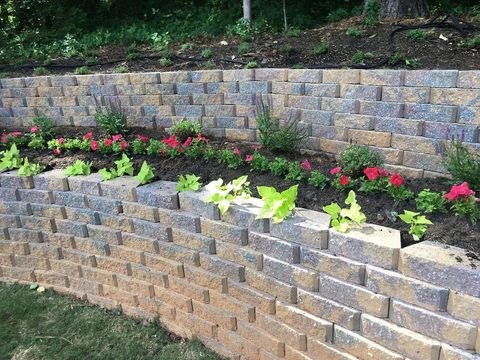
[
  {"x": 462, "y": 164},
  {"x": 274, "y": 136},
  {"x": 112, "y": 120}
]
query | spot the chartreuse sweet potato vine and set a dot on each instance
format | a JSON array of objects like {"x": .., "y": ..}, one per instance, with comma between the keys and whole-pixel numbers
[
  {"x": 123, "y": 166},
  {"x": 342, "y": 219},
  {"x": 224, "y": 195},
  {"x": 10, "y": 158},
  {"x": 27, "y": 169},
  {"x": 418, "y": 223},
  {"x": 189, "y": 182},
  {"x": 78, "y": 168},
  {"x": 277, "y": 205},
  {"x": 145, "y": 175}
]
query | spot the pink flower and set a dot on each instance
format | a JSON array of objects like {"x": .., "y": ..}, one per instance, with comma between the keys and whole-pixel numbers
[
  {"x": 171, "y": 141},
  {"x": 61, "y": 140},
  {"x": 202, "y": 137},
  {"x": 107, "y": 142},
  {"x": 117, "y": 137},
  {"x": 94, "y": 145},
  {"x": 255, "y": 147},
  {"x": 123, "y": 145},
  {"x": 383, "y": 172},
  {"x": 372, "y": 173},
  {"x": 249, "y": 158},
  {"x": 396, "y": 180},
  {"x": 344, "y": 180},
  {"x": 459, "y": 191},
  {"x": 143, "y": 138},
  {"x": 57, "y": 151},
  {"x": 16, "y": 134},
  {"x": 187, "y": 142},
  {"x": 88, "y": 136},
  {"x": 335, "y": 170},
  {"x": 305, "y": 164},
  {"x": 34, "y": 129},
  {"x": 3, "y": 139},
  {"x": 236, "y": 151}
]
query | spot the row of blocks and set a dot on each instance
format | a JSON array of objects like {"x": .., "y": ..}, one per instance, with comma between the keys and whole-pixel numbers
[{"x": 302, "y": 283}]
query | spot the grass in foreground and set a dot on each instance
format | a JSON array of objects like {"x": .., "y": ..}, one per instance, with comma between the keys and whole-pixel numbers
[{"x": 47, "y": 325}]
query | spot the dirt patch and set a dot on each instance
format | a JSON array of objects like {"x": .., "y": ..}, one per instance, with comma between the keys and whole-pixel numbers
[
  {"x": 446, "y": 228},
  {"x": 441, "y": 49}
]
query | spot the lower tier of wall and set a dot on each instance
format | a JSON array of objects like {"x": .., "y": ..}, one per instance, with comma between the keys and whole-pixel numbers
[{"x": 248, "y": 288}]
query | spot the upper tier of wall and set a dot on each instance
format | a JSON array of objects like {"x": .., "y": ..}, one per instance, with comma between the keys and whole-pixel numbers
[
  {"x": 403, "y": 114},
  {"x": 246, "y": 287}
]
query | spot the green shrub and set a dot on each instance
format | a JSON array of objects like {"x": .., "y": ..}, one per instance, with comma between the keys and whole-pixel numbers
[
  {"x": 296, "y": 172},
  {"x": 251, "y": 65},
  {"x": 165, "y": 62},
  {"x": 320, "y": 49},
  {"x": 354, "y": 159},
  {"x": 121, "y": 69},
  {"x": 206, "y": 53},
  {"x": 244, "y": 48},
  {"x": 40, "y": 71},
  {"x": 209, "y": 65},
  {"x": 360, "y": 57},
  {"x": 279, "y": 166},
  {"x": 431, "y": 202},
  {"x": 82, "y": 70},
  {"x": 286, "y": 49},
  {"x": 113, "y": 119},
  {"x": 462, "y": 164},
  {"x": 232, "y": 159},
  {"x": 185, "y": 129},
  {"x": 318, "y": 179},
  {"x": 45, "y": 127},
  {"x": 293, "y": 32},
  {"x": 274, "y": 136},
  {"x": 417, "y": 35},
  {"x": 371, "y": 13},
  {"x": 351, "y": 31},
  {"x": 187, "y": 46}
]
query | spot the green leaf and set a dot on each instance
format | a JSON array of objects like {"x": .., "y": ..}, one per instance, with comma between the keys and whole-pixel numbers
[
  {"x": 351, "y": 198},
  {"x": 78, "y": 168},
  {"x": 108, "y": 174},
  {"x": 145, "y": 175},
  {"x": 333, "y": 210}
]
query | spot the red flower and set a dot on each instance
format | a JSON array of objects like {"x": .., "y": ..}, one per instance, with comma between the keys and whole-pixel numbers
[
  {"x": 123, "y": 145},
  {"x": 202, "y": 137},
  {"x": 383, "y": 173},
  {"x": 187, "y": 142},
  {"x": 57, "y": 151},
  {"x": 249, "y": 158},
  {"x": 344, "y": 180},
  {"x": 34, "y": 129},
  {"x": 459, "y": 191},
  {"x": 372, "y": 173},
  {"x": 61, "y": 140},
  {"x": 236, "y": 151},
  {"x": 396, "y": 180},
  {"x": 3, "y": 139},
  {"x": 16, "y": 134},
  {"x": 305, "y": 164},
  {"x": 171, "y": 141},
  {"x": 88, "y": 136},
  {"x": 335, "y": 170},
  {"x": 94, "y": 145},
  {"x": 117, "y": 137},
  {"x": 143, "y": 138},
  {"x": 107, "y": 142}
]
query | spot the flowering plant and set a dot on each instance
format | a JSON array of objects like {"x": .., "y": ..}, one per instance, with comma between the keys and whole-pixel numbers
[
  {"x": 258, "y": 162},
  {"x": 376, "y": 180},
  {"x": 397, "y": 190},
  {"x": 341, "y": 181},
  {"x": 463, "y": 202}
]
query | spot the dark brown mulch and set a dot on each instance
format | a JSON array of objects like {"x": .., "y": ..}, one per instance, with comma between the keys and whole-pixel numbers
[
  {"x": 446, "y": 229},
  {"x": 266, "y": 49}
]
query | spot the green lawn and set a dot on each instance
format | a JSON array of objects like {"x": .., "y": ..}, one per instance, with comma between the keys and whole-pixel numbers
[{"x": 47, "y": 325}]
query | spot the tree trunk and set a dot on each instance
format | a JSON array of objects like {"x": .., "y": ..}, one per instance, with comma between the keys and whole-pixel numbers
[
  {"x": 395, "y": 9},
  {"x": 247, "y": 11},
  {"x": 285, "y": 25}
]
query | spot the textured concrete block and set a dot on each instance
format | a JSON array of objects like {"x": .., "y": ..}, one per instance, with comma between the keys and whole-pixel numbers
[
  {"x": 282, "y": 332},
  {"x": 121, "y": 188},
  {"x": 421, "y": 145},
  {"x": 469, "y": 115},
  {"x": 105, "y": 205},
  {"x": 255, "y": 87},
  {"x": 341, "y": 76},
  {"x": 288, "y": 88},
  {"x": 354, "y": 296},
  {"x": 464, "y": 307},
  {"x": 361, "y": 92},
  {"x": 469, "y": 79},
  {"x": 329, "y": 310},
  {"x": 432, "y": 78},
  {"x": 306, "y": 227},
  {"x": 36, "y": 196},
  {"x": 319, "y": 117},
  {"x": 271, "y": 74},
  {"x": 382, "y": 109},
  {"x": 382, "y": 77},
  {"x": 434, "y": 325},
  {"x": 354, "y": 121},
  {"x": 89, "y": 184},
  {"x": 404, "y": 341},
  {"x": 305, "y": 75},
  {"x": 151, "y": 230},
  {"x": 469, "y": 133},
  {"x": 36, "y": 223},
  {"x": 271, "y": 286},
  {"x": 74, "y": 228},
  {"x": 372, "y": 138},
  {"x": 357, "y": 345},
  {"x": 340, "y": 105},
  {"x": 437, "y": 113},
  {"x": 223, "y": 231},
  {"x": 399, "y": 126},
  {"x": 440, "y": 265},
  {"x": 222, "y": 267},
  {"x": 47, "y": 210},
  {"x": 194, "y": 202},
  {"x": 10, "y": 179},
  {"x": 240, "y": 255},
  {"x": 291, "y": 274},
  {"x": 92, "y": 246},
  {"x": 423, "y": 161},
  {"x": 460, "y": 97},
  {"x": 451, "y": 353},
  {"x": 407, "y": 289},
  {"x": 162, "y": 194},
  {"x": 371, "y": 244},
  {"x": 274, "y": 247},
  {"x": 238, "y": 75},
  {"x": 261, "y": 338},
  {"x": 304, "y": 102}
]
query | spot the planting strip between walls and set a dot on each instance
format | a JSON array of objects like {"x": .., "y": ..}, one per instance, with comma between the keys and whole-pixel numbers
[
  {"x": 403, "y": 114},
  {"x": 245, "y": 287}
]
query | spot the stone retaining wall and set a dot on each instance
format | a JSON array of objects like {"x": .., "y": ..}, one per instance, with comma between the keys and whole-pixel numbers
[
  {"x": 247, "y": 288},
  {"x": 403, "y": 114}
]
